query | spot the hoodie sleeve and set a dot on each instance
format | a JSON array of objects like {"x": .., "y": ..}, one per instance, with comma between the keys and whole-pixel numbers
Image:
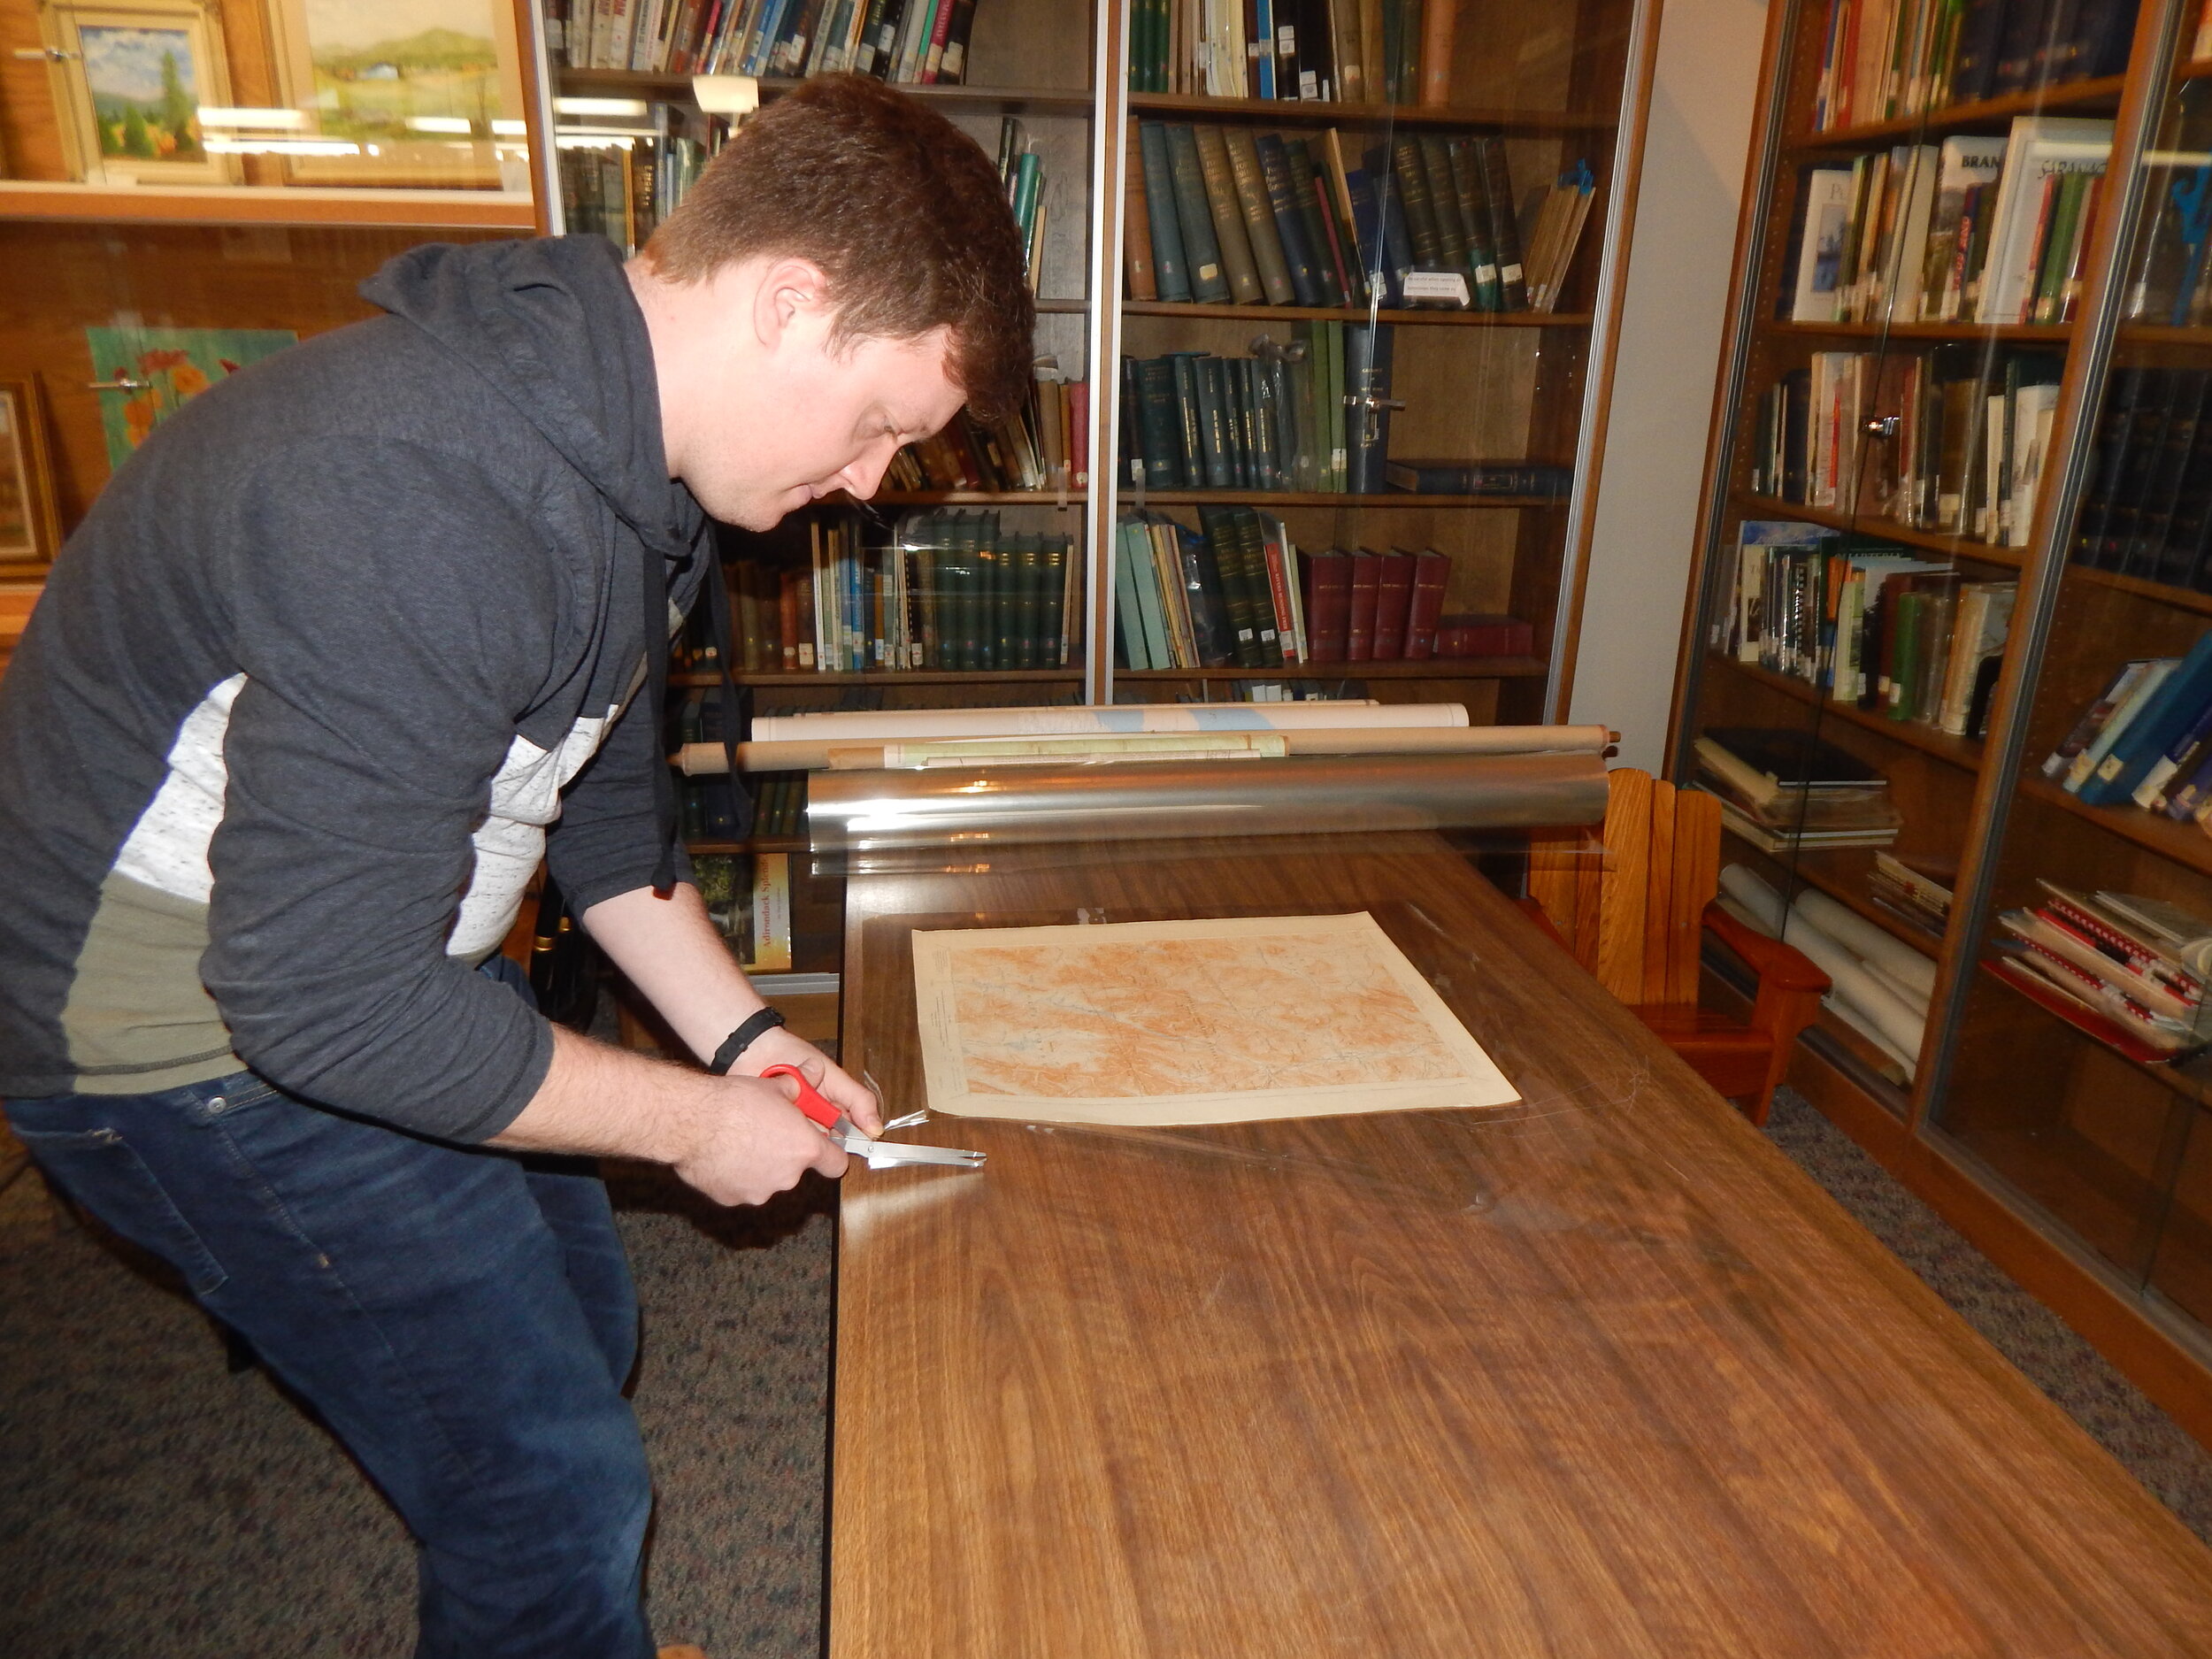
[
  {"x": 607, "y": 841},
  {"x": 394, "y": 614}
]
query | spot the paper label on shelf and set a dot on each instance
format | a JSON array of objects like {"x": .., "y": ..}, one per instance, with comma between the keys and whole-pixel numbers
[
  {"x": 1437, "y": 285},
  {"x": 726, "y": 94}
]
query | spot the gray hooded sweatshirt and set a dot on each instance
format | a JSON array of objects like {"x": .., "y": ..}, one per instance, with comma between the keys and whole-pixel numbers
[{"x": 352, "y": 638}]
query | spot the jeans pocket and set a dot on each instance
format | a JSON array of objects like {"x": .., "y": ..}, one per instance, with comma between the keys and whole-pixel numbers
[{"x": 100, "y": 1170}]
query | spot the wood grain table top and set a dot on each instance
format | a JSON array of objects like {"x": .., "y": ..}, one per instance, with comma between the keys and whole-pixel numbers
[{"x": 1599, "y": 1374}]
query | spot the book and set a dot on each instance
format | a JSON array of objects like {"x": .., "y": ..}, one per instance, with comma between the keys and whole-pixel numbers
[
  {"x": 2141, "y": 735},
  {"x": 1260, "y": 226},
  {"x": 1826, "y": 200},
  {"x": 1541, "y": 480},
  {"x": 1193, "y": 215},
  {"x": 1226, "y": 209},
  {"x": 2138, "y": 696},
  {"x": 1368, "y": 352},
  {"x": 2038, "y": 148}
]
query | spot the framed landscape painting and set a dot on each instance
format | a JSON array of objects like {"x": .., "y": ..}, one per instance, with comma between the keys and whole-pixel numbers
[
  {"x": 30, "y": 523},
  {"x": 129, "y": 83},
  {"x": 407, "y": 93}
]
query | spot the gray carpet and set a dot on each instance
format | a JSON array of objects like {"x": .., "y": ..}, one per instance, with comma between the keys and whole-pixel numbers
[{"x": 151, "y": 1503}]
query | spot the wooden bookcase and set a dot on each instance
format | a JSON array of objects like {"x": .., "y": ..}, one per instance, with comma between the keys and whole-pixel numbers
[
  {"x": 1559, "y": 86},
  {"x": 2085, "y": 1175}
]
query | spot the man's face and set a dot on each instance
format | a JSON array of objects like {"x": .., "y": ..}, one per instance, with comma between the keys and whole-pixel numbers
[{"x": 803, "y": 418}]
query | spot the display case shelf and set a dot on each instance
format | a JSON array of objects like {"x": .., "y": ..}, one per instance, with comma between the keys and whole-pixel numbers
[
  {"x": 2100, "y": 96},
  {"x": 1961, "y": 752}
]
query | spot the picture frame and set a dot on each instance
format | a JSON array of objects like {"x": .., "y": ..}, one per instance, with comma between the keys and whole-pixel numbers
[
  {"x": 30, "y": 515},
  {"x": 428, "y": 93},
  {"x": 129, "y": 79}
]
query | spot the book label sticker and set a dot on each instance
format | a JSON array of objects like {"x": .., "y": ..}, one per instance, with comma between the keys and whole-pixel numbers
[{"x": 1437, "y": 285}]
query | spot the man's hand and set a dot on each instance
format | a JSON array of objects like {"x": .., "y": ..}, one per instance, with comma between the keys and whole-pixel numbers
[
  {"x": 738, "y": 1140},
  {"x": 758, "y": 1143},
  {"x": 782, "y": 1047}
]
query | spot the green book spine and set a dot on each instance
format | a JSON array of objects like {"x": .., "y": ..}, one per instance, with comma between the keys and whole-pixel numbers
[
  {"x": 1259, "y": 217},
  {"x": 1332, "y": 397},
  {"x": 1308, "y": 473},
  {"x": 1171, "y": 269},
  {"x": 1160, "y": 424},
  {"x": 1213, "y": 416},
  {"x": 1128, "y": 623},
  {"x": 1224, "y": 548},
  {"x": 1505, "y": 234},
  {"x": 2058, "y": 247},
  {"x": 1228, "y": 218},
  {"x": 1188, "y": 419},
  {"x": 1451, "y": 231},
  {"x": 1054, "y": 576},
  {"x": 1252, "y": 538},
  {"x": 1413, "y": 196},
  {"x": 1202, "y": 253},
  {"x": 1018, "y": 644},
  {"x": 1474, "y": 219}
]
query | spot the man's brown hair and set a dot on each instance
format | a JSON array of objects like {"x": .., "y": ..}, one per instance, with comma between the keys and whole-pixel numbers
[{"x": 900, "y": 210}]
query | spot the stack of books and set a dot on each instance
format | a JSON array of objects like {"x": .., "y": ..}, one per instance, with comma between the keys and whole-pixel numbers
[
  {"x": 1869, "y": 625},
  {"x": 1973, "y": 434},
  {"x": 2128, "y": 970},
  {"x": 1040, "y": 448},
  {"x": 1349, "y": 51},
  {"x": 2148, "y": 509},
  {"x": 952, "y": 590},
  {"x": 1784, "y": 790},
  {"x": 1988, "y": 230},
  {"x": 1275, "y": 422},
  {"x": 1021, "y": 171},
  {"x": 911, "y": 42},
  {"x": 1223, "y": 216},
  {"x": 2147, "y": 739},
  {"x": 1882, "y": 60},
  {"x": 1915, "y": 889}
]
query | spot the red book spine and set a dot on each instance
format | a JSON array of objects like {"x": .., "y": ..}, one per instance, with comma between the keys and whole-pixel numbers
[
  {"x": 933, "y": 59},
  {"x": 1328, "y": 578},
  {"x": 1366, "y": 590},
  {"x": 1394, "y": 605},
  {"x": 787, "y": 619},
  {"x": 1278, "y": 591},
  {"x": 1431, "y": 574}
]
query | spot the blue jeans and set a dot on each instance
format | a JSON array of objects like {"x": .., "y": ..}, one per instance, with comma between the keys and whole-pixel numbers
[{"x": 463, "y": 1320}]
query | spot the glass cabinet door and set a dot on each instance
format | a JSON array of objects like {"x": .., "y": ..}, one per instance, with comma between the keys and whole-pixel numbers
[
  {"x": 1926, "y": 218},
  {"x": 2075, "y": 1077},
  {"x": 1356, "y": 335}
]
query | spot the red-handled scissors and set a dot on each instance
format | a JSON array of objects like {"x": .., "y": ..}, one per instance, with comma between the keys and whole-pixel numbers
[{"x": 881, "y": 1154}]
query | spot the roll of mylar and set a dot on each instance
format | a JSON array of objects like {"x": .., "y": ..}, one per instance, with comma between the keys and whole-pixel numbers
[{"x": 1150, "y": 801}]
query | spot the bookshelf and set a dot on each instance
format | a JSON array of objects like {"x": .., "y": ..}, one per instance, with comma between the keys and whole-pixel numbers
[
  {"x": 1477, "y": 384},
  {"x": 2082, "y": 1169}
]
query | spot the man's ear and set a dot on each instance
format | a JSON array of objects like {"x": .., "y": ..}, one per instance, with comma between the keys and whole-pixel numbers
[{"x": 792, "y": 295}]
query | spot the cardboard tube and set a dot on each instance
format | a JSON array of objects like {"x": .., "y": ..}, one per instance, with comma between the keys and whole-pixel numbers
[
  {"x": 700, "y": 760},
  {"x": 1144, "y": 801}
]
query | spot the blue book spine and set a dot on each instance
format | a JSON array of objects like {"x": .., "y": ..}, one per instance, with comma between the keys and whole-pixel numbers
[{"x": 2173, "y": 708}]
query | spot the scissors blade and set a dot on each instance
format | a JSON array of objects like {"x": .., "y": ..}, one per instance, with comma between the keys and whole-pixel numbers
[{"x": 888, "y": 1154}]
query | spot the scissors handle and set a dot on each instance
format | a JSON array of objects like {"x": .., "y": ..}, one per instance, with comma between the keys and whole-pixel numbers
[{"x": 810, "y": 1100}]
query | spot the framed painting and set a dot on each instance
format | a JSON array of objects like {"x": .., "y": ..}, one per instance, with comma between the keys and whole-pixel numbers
[
  {"x": 129, "y": 83},
  {"x": 421, "y": 94},
  {"x": 30, "y": 522}
]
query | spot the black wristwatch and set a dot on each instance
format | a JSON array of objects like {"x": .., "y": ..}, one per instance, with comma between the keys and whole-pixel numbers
[{"x": 743, "y": 1038}]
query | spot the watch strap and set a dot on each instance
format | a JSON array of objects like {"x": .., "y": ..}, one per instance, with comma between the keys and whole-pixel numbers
[{"x": 742, "y": 1039}]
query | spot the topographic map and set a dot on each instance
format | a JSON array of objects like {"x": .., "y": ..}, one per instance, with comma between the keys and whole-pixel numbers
[{"x": 1190, "y": 1022}]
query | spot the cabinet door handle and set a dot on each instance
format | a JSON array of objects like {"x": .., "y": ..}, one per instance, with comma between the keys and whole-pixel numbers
[
  {"x": 121, "y": 383},
  {"x": 46, "y": 55}
]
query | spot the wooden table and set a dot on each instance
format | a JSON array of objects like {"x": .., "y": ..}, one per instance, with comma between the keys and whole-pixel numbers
[{"x": 1602, "y": 1374}]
